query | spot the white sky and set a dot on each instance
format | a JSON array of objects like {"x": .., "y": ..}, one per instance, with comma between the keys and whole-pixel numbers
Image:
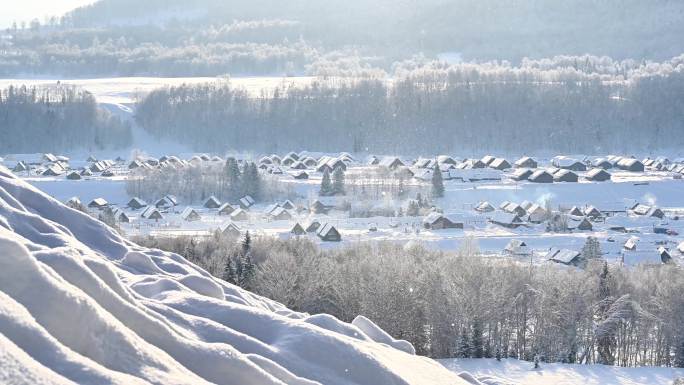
[{"x": 26, "y": 10}]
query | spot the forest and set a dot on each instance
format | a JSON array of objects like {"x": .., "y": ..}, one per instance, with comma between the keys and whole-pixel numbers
[
  {"x": 585, "y": 104},
  {"x": 440, "y": 302},
  {"x": 56, "y": 118},
  {"x": 269, "y": 37}
]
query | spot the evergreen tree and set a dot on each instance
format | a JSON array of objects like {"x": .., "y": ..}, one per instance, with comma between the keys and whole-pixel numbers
[
  {"x": 463, "y": 348},
  {"x": 437, "y": 183},
  {"x": 233, "y": 178},
  {"x": 246, "y": 244},
  {"x": 338, "y": 182},
  {"x": 679, "y": 354},
  {"x": 248, "y": 272},
  {"x": 229, "y": 271},
  {"x": 326, "y": 184},
  {"x": 476, "y": 341},
  {"x": 254, "y": 181},
  {"x": 605, "y": 338},
  {"x": 413, "y": 210},
  {"x": 592, "y": 249}
]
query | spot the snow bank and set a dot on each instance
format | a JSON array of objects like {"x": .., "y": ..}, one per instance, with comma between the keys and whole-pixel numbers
[
  {"x": 378, "y": 335},
  {"x": 79, "y": 304}
]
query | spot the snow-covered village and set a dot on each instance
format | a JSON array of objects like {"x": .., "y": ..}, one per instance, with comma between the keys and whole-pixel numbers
[
  {"x": 528, "y": 209},
  {"x": 367, "y": 192}
]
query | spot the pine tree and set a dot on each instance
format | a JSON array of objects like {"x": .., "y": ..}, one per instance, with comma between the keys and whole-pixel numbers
[
  {"x": 326, "y": 184},
  {"x": 419, "y": 199},
  {"x": 254, "y": 181},
  {"x": 338, "y": 182},
  {"x": 592, "y": 249},
  {"x": 536, "y": 361},
  {"x": 233, "y": 178},
  {"x": 463, "y": 349},
  {"x": 679, "y": 354},
  {"x": 413, "y": 210},
  {"x": 248, "y": 272},
  {"x": 476, "y": 341},
  {"x": 246, "y": 244},
  {"x": 229, "y": 271},
  {"x": 437, "y": 183},
  {"x": 605, "y": 339}
]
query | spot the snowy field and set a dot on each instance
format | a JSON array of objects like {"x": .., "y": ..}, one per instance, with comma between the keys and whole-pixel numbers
[
  {"x": 511, "y": 371},
  {"x": 126, "y": 90}
]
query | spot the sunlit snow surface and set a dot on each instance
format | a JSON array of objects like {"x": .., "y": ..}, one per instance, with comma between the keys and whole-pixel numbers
[
  {"x": 79, "y": 304},
  {"x": 511, "y": 371}
]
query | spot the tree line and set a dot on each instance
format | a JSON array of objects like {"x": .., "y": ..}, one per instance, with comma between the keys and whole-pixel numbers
[
  {"x": 56, "y": 118},
  {"x": 464, "y": 304},
  {"x": 228, "y": 181},
  {"x": 576, "y": 105}
]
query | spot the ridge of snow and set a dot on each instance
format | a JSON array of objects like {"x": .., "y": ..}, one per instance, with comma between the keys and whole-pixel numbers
[{"x": 80, "y": 304}]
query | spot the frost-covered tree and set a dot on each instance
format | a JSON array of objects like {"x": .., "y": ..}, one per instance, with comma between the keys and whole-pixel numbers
[
  {"x": 326, "y": 184},
  {"x": 338, "y": 182},
  {"x": 437, "y": 183},
  {"x": 592, "y": 249}
]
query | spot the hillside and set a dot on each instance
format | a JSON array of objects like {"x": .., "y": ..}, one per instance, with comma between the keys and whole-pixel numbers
[
  {"x": 489, "y": 29},
  {"x": 78, "y": 304}
]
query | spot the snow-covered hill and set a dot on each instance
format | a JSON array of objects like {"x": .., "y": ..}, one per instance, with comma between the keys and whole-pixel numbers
[{"x": 79, "y": 304}]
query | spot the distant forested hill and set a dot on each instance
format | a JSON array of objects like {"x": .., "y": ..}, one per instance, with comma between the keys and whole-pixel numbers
[
  {"x": 483, "y": 29},
  {"x": 214, "y": 37}
]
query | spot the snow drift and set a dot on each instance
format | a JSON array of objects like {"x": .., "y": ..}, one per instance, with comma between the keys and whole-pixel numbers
[{"x": 80, "y": 304}]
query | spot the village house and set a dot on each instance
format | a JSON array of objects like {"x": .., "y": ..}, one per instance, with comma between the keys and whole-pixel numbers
[
  {"x": 508, "y": 220},
  {"x": 73, "y": 176},
  {"x": 136, "y": 203},
  {"x": 500, "y": 164},
  {"x": 98, "y": 203},
  {"x": 564, "y": 175},
  {"x": 484, "y": 207},
  {"x": 120, "y": 216},
  {"x": 226, "y": 209},
  {"x": 280, "y": 214},
  {"x": 239, "y": 215},
  {"x": 313, "y": 227},
  {"x": 517, "y": 247},
  {"x": 297, "y": 229},
  {"x": 598, "y": 175},
  {"x": 328, "y": 233},
  {"x": 630, "y": 164},
  {"x": 526, "y": 162},
  {"x": 391, "y": 162},
  {"x": 302, "y": 175},
  {"x": 521, "y": 174},
  {"x": 246, "y": 202},
  {"x": 230, "y": 229},
  {"x": 540, "y": 176},
  {"x": 190, "y": 215},
  {"x": 565, "y": 257},
  {"x": 567, "y": 163},
  {"x": 151, "y": 213},
  {"x": 438, "y": 221},
  {"x": 212, "y": 203}
]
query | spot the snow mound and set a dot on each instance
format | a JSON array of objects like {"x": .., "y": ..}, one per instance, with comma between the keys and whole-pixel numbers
[
  {"x": 80, "y": 304},
  {"x": 378, "y": 335}
]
